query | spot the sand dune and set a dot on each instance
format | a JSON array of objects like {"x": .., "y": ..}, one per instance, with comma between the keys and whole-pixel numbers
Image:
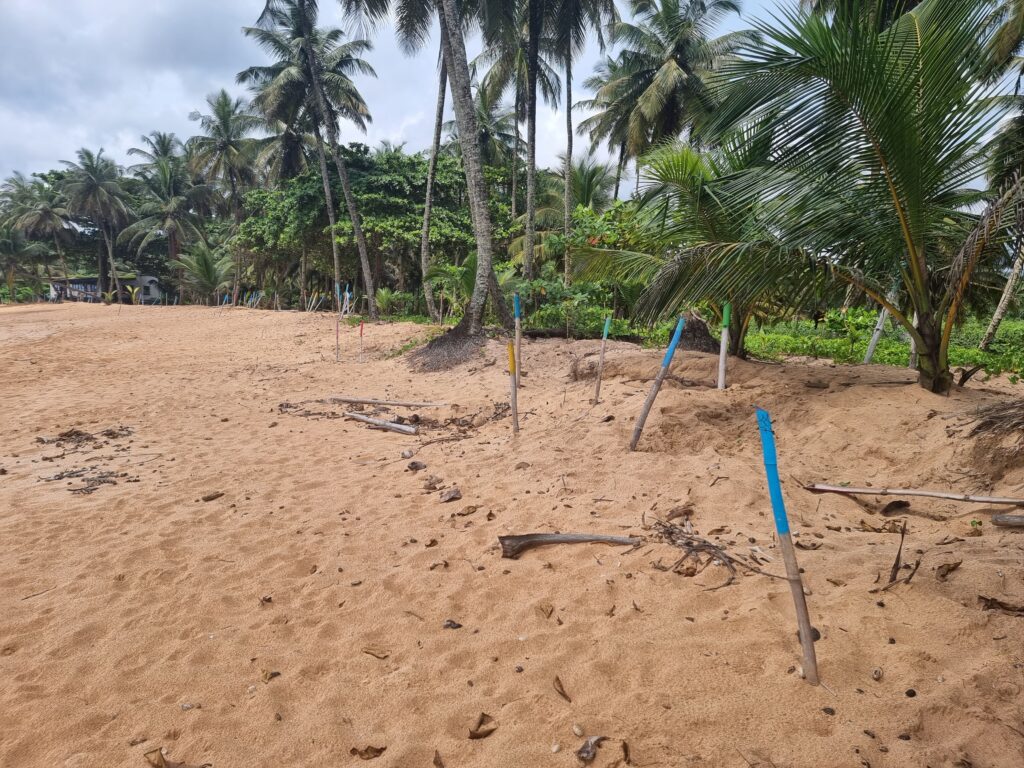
[{"x": 299, "y": 618}]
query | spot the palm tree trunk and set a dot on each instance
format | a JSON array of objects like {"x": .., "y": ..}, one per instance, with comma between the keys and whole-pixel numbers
[
  {"x": 10, "y": 284},
  {"x": 435, "y": 148},
  {"x": 108, "y": 238},
  {"x": 465, "y": 118},
  {"x": 933, "y": 356},
  {"x": 346, "y": 184},
  {"x": 63, "y": 261},
  {"x": 567, "y": 190},
  {"x": 1005, "y": 299},
  {"x": 302, "y": 279},
  {"x": 329, "y": 198},
  {"x": 515, "y": 154},
  {"x": 535, "y": 23},
  {"x": 618, "y": 169}
]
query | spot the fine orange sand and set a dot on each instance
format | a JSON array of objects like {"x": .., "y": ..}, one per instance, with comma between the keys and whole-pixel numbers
[{"x": 298, "y": 619}]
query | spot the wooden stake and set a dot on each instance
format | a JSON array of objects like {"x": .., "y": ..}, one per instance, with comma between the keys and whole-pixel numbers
[
  {"x": 822, "y": 488},
  {"x": 1008, "y": 521},
  {"x": 360, "y": 340},
  {"x": 656, "y": 386},
  {"x": 512, "y": 385},
  {"x": 518, "y": 307},
  {"x": 405, "y": 429},
  {"x": 796, "y": 586},
  {"x": 600, "y": 360},
  {"x": 723, "y": 351}
]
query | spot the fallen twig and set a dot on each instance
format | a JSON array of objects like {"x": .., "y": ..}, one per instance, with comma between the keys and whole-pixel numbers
[
  {"x": 822, "y": 488},
  {"x": 372, "y": 401}
]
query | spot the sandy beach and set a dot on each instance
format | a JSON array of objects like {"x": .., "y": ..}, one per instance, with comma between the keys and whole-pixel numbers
[{"x": 325, "y": 607}]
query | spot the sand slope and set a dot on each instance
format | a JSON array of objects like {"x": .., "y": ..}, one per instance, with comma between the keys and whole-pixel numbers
[{"x": 131, "y": 616}]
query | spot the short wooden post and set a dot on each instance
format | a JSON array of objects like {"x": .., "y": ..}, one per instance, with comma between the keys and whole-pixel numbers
[
  {"x": 723, "y": 351},
  {"x": 600, "y": 360},
  {"x": 512, "y": 387},
  {"x": 796, "y": 586},
  {"x": 360, "y": 340},
  {"x": 518, "y": 307},
  {"x": 656, "y": 386}
]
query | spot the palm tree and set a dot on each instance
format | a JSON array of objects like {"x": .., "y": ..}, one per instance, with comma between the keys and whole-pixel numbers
[
  {"x": 169, "y": 208},
  {"x": 667, "y": 54},
  {"x": 225, "y": 151},
  {"x": 16, "y": 253},
  {"x": 611, "y": 107},
  {"x": 506, "y": 57},
  {"x": 94, "y": 190},
  {"x": 328, "y": 65},
  {"x": 495, "y": 128},
  {"x": 158, "y": 146},
  {"x": 572, "y": 20},
  {"x": 40, "y": 211},
  {"x": 205, "y": 270},
  {"x": 872, "y": 166}
]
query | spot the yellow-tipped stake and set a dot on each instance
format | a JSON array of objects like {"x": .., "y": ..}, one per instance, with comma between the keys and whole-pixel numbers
[
  {"x": 723, "y": 352},
  {"x": 512, "y": 387}
]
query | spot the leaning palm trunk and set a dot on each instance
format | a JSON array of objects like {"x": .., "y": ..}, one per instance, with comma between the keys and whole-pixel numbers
[
  {"x": 567, "y": 189},
  {"x": 618, "y": 169},
  {"x": 329, "y": 199},
  {"x": 108, "y": 238},
  {"x": 532, "y": 63},
  {"x": 515, "y": 153},
  {"x": 435, "y": 148},
  {"x": 465, "y": 118},
  {"x": 1005, "y": 299},
  {"x": 346, "y": 185}
]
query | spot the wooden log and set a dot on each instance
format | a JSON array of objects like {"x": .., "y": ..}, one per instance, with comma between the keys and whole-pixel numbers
[
  {"x": 1008, "y": 521},
  {"x": 513, "y": 546},
  {"x": 373, "y": 401},
  {"x": 600, "y": 360},
  {"x": 796, "y": 585},
  {"x": 656, "y": 386},
  {"x": 823, "y": 488},
  {"x": 405, "y": 429}
]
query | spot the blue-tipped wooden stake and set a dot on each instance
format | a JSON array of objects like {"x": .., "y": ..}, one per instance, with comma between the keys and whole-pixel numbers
[
  {"x": 656, "y": 386},
  {"x": 337, "y": 324},
  {"x": 796, "y": 585},
  {"x": 723, "y": 352},
  {"x": 518, "y": 307},
  {"x": 600, "y": 360}
]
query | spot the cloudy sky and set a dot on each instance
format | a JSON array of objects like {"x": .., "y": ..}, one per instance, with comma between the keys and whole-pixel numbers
[{"x": 100, "y": 73}]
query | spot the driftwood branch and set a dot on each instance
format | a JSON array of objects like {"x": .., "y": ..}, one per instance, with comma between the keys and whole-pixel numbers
[
  {"x": 405, "y": 429},
  {"x": 513, "y": 546},
  {"x": 822, "y": 488},
  {"x": 372, "y": 401}
]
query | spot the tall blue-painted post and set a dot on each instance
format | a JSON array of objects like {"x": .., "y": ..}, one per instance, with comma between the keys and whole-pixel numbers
[
  {"x": 656, "y": 386},
  {"x": 518, "y": 309},
  {"x": 600, "y": 360},
  {"x": 796, "y": 585}
]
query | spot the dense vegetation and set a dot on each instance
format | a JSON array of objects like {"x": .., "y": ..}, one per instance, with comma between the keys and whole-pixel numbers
[{"x": 844, "y": 157}]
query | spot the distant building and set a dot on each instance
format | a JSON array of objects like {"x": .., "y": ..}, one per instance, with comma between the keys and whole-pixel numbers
[{"x": 85, "y": 288}]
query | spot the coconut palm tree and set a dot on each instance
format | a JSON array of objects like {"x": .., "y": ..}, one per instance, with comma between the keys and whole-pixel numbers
[
  {"x": 667, "y": 53},
  {"x": 495, "y": 128},
  {"x": 170, "y": 207},
  {"x": 610, "y": 109},
  {"x": 206, "y": 270},
  {"x": 226, "y": 151},
  {"x": 17, "y": 254},
  {"x": 94, "y": 190},
  {"x": 572, "y": 21},
  {"x": 327, "y": 66},
  {"x": 158, "y": 145},
  {"x": 872, "y": 166},
  {"x": 39, "y": 209}
]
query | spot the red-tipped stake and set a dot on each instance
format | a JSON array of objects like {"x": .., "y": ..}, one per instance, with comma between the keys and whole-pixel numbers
[
  {"x": 796, "y": 585},
  {"x": 656, "y": 386},
  {"x": 512, "y": 387}
]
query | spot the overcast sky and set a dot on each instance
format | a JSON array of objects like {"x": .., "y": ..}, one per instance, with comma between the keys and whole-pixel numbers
[{"x": 101, "y": 73}]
